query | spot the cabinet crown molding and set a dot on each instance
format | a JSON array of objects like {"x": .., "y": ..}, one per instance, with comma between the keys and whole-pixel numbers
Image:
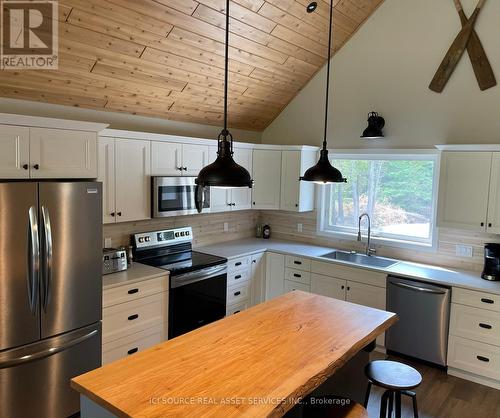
[
  {"x": 41, "y": 122},
  {"x": 469, "y": 147}
]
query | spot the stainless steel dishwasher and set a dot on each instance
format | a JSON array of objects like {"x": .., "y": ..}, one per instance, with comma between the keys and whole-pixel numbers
[{"x": 424, "y": 314}]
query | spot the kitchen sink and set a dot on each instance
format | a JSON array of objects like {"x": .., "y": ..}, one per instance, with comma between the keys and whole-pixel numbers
[{"x": 362, "y": 259}]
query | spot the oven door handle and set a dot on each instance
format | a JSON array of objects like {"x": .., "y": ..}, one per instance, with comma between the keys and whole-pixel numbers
[{"x": 197, "y": 276}]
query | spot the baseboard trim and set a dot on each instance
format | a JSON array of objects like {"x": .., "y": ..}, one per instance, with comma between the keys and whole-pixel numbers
[{"x": 486, "y": 381}]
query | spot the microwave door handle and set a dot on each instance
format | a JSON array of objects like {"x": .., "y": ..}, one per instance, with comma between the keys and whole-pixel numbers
[
  {"x": 47, "y": 273},
  {"x": 33, "y": 259}
]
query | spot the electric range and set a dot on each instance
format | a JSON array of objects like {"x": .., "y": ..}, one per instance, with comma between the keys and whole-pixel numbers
[{"x": 198, "y": 281}]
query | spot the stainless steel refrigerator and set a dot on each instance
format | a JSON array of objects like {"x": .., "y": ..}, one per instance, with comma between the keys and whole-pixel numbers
[{"x": 50, "y": 294}]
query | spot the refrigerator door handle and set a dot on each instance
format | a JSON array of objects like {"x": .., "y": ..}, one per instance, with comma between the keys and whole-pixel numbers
[
  {"x": 47, "y": 271},
  {"x": 33, "y": 260},
  {"x": 47, "y": 352}
]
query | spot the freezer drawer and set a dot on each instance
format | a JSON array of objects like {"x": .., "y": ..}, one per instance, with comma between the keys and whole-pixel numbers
[
  {"x": 35, "y": 379},
  {"x": 424, "y": 314}
]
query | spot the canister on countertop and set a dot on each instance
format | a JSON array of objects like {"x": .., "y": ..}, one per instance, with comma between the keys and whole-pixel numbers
[{"x": 266, "y": 232}]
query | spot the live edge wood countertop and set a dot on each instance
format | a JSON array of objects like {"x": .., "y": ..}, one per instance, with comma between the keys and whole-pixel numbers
[{"x": 251, "y": 364}]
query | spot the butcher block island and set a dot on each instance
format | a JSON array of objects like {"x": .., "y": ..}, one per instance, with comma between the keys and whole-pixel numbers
[{"x": 255, "y": 363}]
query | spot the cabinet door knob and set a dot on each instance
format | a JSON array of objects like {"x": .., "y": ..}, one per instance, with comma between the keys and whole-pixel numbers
[
  {"x": 342, "y": 287},
  {"x": 348, "y": 288},
  {"x": 296, "y": 205},
  {"x": 185, "y": 168},
  {"x": 237, "y": 293},
  {"x": 25, "y": 166},
  {"x": 253, "y": 203},
  {"x": 179, "y": 168},
  {"x": 119, "y": 214},
  {"x": 482, "y": 223},
  {"x": 112, "y": 214},
  {"x": 489, "y": 225},
  {"x": 132, "y": 350},
  {"x": 36, "y": 166},
  {"x": 233, "y": 204}
]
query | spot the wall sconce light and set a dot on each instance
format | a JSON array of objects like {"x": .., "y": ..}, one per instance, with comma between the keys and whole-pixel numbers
[{"x": 375, "y": 125}]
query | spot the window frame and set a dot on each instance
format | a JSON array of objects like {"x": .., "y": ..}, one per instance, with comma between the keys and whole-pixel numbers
[{"x": 429, "y": 245}]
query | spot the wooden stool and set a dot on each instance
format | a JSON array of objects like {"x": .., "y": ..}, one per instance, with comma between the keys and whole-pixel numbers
[
  {"x": 397, "y": 378},
  {"x": 349, "y": 409}
]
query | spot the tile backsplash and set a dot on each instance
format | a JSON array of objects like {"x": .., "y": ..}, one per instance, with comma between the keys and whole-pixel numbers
[
  {"x": 207, "y": 228},
  {"x": 284, "y": 226}
]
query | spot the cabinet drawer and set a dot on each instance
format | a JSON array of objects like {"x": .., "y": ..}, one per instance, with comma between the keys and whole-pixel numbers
[
  {"x": 354, "y": 274},
  {"x": 131, "y": 344},
  {"x": 238, "y": 293},
  {"x": 298, "y": 263},
  {"x": 291, "y": 286},
  {"x": 130, "y": 292},
  {"x": 477, "y": 299},
  {"x": 238, "y": 264},
  {"x": 234, "y": 309},
  {"x": 474, "y": 357},
  {"x": 298, "y": 276},
  {"x": 475, "y": 324},
  {"x": 237, "y": 277},
  {"x": 128, "y": 318}
]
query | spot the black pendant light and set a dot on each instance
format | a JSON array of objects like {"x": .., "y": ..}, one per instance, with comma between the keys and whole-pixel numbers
[
  {"x": 375, "y": 125},
  {"x": 224, "y": 172},
  {"x": 323, "y": 172}
]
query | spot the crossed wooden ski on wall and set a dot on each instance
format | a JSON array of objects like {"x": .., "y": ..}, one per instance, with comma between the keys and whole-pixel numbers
[{"x": 466, "y": 39}]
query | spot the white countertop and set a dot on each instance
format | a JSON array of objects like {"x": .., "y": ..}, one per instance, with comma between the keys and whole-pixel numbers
[
  {"x": 427, "y": 273},
  {"x": 137, "y": 273}
]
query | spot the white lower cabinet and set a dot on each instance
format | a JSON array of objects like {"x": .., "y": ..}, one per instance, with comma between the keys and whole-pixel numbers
[
  {"x": 258, "y": 278},
  {"x": 275, "y": 275},
  {"x": 290, "y": 286},
  {"x": 474, "y": 341},
  {"x": 135, "y": 317},
  {"x": 328, "y": 286}
]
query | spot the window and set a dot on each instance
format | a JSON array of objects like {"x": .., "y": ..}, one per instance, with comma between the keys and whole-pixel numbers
[{"x": 398, "y": 191}]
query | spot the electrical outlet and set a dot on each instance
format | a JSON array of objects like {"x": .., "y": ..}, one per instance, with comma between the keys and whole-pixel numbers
[
  {"x": 463, "y": 251},
  {"x": 108, "y": 242},
  {"x": 299, "y": 227},
  {"x": 226, "y": 227}
]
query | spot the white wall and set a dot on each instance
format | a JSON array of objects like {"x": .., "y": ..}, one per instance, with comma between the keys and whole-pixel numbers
[
  {"x": 122, "y": 120},
  {"x": 387, "y": 67}
]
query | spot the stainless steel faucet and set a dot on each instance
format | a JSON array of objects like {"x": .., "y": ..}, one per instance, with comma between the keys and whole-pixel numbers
[{"x": 369, "y": 251}]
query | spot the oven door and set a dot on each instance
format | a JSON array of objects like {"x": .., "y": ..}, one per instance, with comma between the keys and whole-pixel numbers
[
  {"x": 174, "y": 196},
  {"x": 196, "y": 298}
]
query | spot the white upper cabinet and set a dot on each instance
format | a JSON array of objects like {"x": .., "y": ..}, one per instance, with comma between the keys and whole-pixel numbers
[
  {"x": 58, "y": 153},
  {"x": 493, "y": 219},
  {"x": 132, "y": 179},
  {"x": 297, "y": 196},
  {"x": 194, "y": 158},
  {"x": 106, "y": 175},
  {"x": 174, "y": 159},
  {"x": 166, "y": 159},
  {"x": 463, "y": 190},
  {"x": 223, "y": 200},
  {"x": 14, "y": 152},
  {"x": 267, "y": 179}
]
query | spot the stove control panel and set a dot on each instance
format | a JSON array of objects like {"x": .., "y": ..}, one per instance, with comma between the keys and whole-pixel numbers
[{"x": 163, "y": 238}]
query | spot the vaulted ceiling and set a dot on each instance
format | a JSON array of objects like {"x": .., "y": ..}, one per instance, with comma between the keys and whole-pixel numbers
[{"x": 165, "y": 58}]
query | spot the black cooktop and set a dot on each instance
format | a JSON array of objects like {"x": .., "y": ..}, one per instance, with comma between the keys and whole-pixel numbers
[{"x": 184, "y": 262}]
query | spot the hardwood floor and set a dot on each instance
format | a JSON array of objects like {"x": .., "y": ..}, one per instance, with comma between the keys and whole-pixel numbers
[{"x": 443, "y": 396}]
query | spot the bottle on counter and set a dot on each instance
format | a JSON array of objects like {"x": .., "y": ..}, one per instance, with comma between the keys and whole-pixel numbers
[
  {"x": 258, "y": 231},
  {"x": 130, "y": 257},
  {"x": 266, "y": 232}
]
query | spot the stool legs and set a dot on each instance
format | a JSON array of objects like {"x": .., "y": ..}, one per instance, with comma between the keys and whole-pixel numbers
[
  {"x": 383, "y": 404},
  {"x": 391, "y": 401},
  {"x": 398, "y": 404},
  {"x": 391, "y": 404},
  {"x": 413, "y": 397},
  {"x": 367, "y": 396}
]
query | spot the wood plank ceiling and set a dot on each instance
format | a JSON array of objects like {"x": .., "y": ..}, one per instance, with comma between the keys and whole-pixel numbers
[{"x": 165, "y": 58}]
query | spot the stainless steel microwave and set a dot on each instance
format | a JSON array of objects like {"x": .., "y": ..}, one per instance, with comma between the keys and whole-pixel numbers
[{"x": 174, "y": 196}]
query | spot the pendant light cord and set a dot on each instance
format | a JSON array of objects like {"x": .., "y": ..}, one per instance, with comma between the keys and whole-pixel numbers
[
  {"x": 226, "y": 75},
  {"x": 328, "y": 73}
]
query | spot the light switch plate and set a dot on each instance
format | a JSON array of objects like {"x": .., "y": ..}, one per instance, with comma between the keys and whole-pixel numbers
[
  {"x": 299, "y": 227},
  {"x": 108, "y": 242},
  {"x": 463, "y": 251},
  {"x": 226, "y": 227}
]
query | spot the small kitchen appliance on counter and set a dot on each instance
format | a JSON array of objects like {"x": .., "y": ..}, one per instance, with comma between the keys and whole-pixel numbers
[
  {"x": 491, "y": 269},
  {"x": 114, "y": 260}
]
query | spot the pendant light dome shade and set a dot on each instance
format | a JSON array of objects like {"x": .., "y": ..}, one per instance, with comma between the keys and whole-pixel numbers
[
  {"x": 224, "y": 172},
  {"x": 375, "y": 125},
  {"x": 323, "y": 172}
]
